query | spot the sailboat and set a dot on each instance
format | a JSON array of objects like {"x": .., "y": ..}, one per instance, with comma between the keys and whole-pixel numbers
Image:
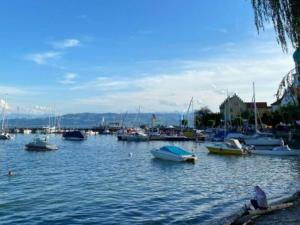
[
  {"x": 136, "y": 134},
  {"x": 261, "y": 138},
  {"x": 3, "y": 134}
]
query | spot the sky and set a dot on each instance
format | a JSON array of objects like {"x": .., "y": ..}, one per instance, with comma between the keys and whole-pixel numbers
[{"x": 72, "y": 56}]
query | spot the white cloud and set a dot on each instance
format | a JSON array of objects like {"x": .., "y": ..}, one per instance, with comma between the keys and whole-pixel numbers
[
  {"x": 66, "y": 43},
  {"x": 43, "y": 57},
  {"x": 69, "y": 78},
  {"x": 205, "y": 80},
  {"x": 103, "y": 84}
]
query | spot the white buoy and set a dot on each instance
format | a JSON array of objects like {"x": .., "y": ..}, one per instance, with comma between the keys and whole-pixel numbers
[{"x": 130, "y": 154}]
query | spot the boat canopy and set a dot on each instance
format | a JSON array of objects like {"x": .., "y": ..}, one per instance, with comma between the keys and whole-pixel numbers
[{"x": 175, "y": 150}]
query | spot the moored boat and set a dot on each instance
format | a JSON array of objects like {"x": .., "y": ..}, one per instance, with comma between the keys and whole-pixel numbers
[
  {"x": 40, "y": 144},
  {"x": 137, "y": 136},
  {"x": 229, "y": 147},
  {"x": 106, "y": 131},
  {"x": 263, "y": 139},
  {"x": 174, "y": 153},
  {"x": 26, "y": 131},
  {"x": 280, "y": 151},
  {"x": 5, "y": 136},
  {"x": 75, "y": 135}
]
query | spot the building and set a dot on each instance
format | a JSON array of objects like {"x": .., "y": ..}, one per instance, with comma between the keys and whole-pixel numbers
[
  {"x": 261, "y": 107},
  {"x": 233, "y": 107},
  {"x": 289, "y": 88}
]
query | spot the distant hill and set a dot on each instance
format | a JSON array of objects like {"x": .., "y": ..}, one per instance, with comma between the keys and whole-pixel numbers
[{"x": 81, "y": 120}]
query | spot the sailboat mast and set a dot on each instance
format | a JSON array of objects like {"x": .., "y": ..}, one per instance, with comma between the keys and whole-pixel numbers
[
  {"x": 255, "y": 109},
  {"x": 3, "y": 113},
  {"x": 3, "y": 117},
  {"x": 225, "y": 114}
]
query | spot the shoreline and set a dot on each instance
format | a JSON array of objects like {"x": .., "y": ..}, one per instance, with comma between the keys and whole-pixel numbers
[{"x": 286, "y": 215}]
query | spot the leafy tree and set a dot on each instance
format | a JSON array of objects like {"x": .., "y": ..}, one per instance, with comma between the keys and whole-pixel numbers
[
  {"x": 206, "y": 118},
  {"x": 285, "y": 17}
]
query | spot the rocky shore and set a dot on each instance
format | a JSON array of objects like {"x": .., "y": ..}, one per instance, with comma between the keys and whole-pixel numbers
[{"x": 289, "y": 214}]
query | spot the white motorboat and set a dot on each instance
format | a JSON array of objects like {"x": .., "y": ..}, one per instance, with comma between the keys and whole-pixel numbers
[
  {"x": 26, "y": 131},
  {"x": 137, "y": 136},
  {"x": 91, "y": 133},
  {"x": 281, "y": 151},
  {"x": 263, "y": 139},
  {"x": 174, "y": 153},
  {"x": 5, "y": 136},
  {"x": 40, "y": 144},
  {"x": 229, "y": 147},
  {"x": 106, "y": 131}
]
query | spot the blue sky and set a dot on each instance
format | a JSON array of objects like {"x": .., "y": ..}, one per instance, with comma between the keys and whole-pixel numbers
[{"x": 114, "y": 56}]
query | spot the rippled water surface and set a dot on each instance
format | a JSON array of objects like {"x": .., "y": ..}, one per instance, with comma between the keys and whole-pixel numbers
[{"x": 97, "y": 182}]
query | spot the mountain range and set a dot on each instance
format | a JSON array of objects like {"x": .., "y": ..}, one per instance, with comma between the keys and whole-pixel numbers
[{"x": 88, "y": 120}]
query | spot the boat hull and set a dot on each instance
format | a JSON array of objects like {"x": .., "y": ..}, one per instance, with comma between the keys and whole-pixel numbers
[
  {"x": 137, "y": 138},
  {"x": 74, "y": 139},
  {"x": 263, "y": 142},
  {"x": 279, "y": 153},
  {"x": 133, "y": 138},
  {"x": 224, "y": 151},
  {"x": 48, "y": 147},
  {"x": 172, "y": 157}
]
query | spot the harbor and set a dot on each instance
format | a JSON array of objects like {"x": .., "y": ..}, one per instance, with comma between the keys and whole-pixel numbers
[
  {"x": 100, "y": 176},
  {"x": 150, "y": 112},
  {"x": 206, "y": 162}
]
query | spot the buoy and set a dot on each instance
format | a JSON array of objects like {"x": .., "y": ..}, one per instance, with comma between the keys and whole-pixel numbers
[
  {"x": 10, "y": 173},
  {"x": 130, "y": 154}
]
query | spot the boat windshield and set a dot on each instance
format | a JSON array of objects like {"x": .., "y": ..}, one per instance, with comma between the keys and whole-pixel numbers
[{"x": 234, "y": 143}]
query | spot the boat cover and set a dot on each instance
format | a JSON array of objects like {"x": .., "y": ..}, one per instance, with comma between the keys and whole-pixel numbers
[{"x": 175, "y": 150}]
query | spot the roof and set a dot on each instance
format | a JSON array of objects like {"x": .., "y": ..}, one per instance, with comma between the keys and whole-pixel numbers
[
  {"x": 259, "y": 105},
  {"x": 230, "y": 98}
]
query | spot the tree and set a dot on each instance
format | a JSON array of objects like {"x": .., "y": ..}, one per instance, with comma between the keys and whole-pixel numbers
[
  {"x": 285, "y": 16},
  {"x": 206, "y": 118}
]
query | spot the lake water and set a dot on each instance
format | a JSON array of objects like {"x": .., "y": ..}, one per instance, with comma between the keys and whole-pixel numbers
[{"x": 96, "y": 182}]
